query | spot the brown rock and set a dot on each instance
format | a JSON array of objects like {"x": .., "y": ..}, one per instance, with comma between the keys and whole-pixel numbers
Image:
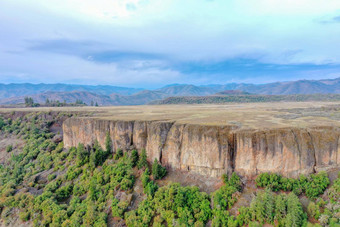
[{"x": 215, "y": 150}]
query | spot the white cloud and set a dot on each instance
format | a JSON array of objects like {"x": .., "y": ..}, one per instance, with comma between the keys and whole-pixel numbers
[{"x": 270, "y": 31}]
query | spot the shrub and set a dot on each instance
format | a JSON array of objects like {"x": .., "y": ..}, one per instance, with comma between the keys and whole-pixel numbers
[
  {"x": 226, "y": 196},
  {"x": 316, "y": 185},
  {"x": 151, "y": 188},
  {"x": 118, "y": 154},
  {"x": 9, "y": 148},
  {"x": 24, "y": 216},
  {"x": 119, "y": 208},
  {"x": 173, "y": 203},
  {"x": 313, "y": 210},
  {"x": 334, "y": 191},
  {"x": 64, "y": 192},
  {"x": 51, "y": 177},
  {"x": 313, "y": 185}
]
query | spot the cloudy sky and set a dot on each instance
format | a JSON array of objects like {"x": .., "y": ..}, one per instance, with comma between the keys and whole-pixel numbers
[{"x": 150, "y": 43}]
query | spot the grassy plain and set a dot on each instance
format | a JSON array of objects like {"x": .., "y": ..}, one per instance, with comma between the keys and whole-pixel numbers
[{"x": 244, "y": 115}]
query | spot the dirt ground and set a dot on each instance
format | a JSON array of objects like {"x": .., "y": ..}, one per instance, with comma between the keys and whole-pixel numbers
[{"x": 204, "y": 183}]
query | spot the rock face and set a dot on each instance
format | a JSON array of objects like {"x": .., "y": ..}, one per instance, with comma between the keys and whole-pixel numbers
[{"x": 215, "y": 150}]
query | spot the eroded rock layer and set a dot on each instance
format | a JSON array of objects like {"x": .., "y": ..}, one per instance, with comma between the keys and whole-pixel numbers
[{"x": 215, "y": 150}]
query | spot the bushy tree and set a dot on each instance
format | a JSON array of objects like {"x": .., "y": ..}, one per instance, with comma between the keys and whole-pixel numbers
[
  {"x": 313, "y": 185},
  {"x": 313, "y": 210},
  {"x": 108, "y": 143},
  {"x": 118, "y": 154},
  {"x": 334, "y": 191},
  {"x": 151, "y": 188},
  {"x": 9, "y": 148},
  {"x": 145, "y": 177},
  {"x": 119, "y": 208},
  {"x": 316, "y": 184},
  {"x": 158, "y": 171},
  {"x": 295, "y": 215},
  {"x": 225, "y": 197},
  {"x": 186, "y": 206},
  {"x": 142, "y": 162},
  {"x": 134, "y": 157},
  {"x": 82, "y": 155}
]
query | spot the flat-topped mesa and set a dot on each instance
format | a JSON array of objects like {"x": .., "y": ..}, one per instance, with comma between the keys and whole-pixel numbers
[{"x": 215, "y": 150}]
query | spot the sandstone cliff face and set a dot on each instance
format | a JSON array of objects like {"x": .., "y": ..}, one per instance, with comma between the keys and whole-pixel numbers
[{"x": 215, "y": 150}]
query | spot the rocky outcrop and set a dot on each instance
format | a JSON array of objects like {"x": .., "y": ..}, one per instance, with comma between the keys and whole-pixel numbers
[{"x": 215, "y": 150}]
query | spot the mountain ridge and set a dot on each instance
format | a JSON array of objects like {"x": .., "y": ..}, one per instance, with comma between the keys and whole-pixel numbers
[{"x": 114, "y": 95}]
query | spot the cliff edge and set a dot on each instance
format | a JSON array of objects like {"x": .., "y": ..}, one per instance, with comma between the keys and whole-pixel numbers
[{"x": 213, "y": 150}]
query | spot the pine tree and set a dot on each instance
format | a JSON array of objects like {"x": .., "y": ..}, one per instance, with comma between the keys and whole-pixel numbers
[
  {"x": 119, "y": 154},
  {"x": 142, "y": 160},
  {"x": 146, "y": 177},
  {"x": 82, "y": 155},
  {"x": 134, "y": 158},
  {"x": 158, "y": 171}
]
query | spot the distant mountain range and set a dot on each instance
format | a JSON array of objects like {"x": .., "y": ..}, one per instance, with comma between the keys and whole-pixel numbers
[
  {"x": 27, "y": 89},
  {"x": 113, "y": 95}
]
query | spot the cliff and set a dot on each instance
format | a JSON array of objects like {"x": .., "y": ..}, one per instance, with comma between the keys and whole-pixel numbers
[{"x": 214, "y": 150}]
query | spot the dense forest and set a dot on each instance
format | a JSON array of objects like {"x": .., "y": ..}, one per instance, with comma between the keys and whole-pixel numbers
[
  {"x": 251, "y": 98},
  {"x": 46, "y": 185}
]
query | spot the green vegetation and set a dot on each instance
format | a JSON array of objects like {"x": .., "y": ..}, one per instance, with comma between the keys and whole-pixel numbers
[
  {"x": 9, "y": 148},
  {"x": 142, "y": 160},
  {"x": 78, "y": 196},
  {"x": 29, "y": 102},
  {"x": 313, "y": 185},
  {"x": 57, "y": 103},
  {"x": 334, "y": 191},
  {"x": 134, "y": 157},
  {"x": 225, "y": 197},
  {"x": 108, "y": 143},
  {"x": 118, "y": 154},
  {"x": 247, "y": 98},
  {"x": 286, "y": 210},
  {"x": 158, "y": 171},
  {"x": 174, "y": 205},
  {"x": 87, "y": 186}
]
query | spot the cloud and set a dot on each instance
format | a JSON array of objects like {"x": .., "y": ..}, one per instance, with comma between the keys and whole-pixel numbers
[
  {"x": 335, "y": 19},
  {"x": 158, "y": 42},
  {"x": 64, "y": 46}
]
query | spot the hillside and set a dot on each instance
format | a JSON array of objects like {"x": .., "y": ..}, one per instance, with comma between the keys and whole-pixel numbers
[
  {"x": 222, "y": 98},
  {"x": 187, "y": 90},
  {"x": 68, "y": 97},
  {"x": 116, "y": 177},
  {"x": 111, "y": 95},
  {"x": 139, "y": 98},
  {"x": 27, "y": 89},
  {"x": 231, "y": 92}
]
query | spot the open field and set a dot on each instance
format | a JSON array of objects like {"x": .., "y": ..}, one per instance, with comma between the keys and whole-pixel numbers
[{"x": 245, "y": 115}]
